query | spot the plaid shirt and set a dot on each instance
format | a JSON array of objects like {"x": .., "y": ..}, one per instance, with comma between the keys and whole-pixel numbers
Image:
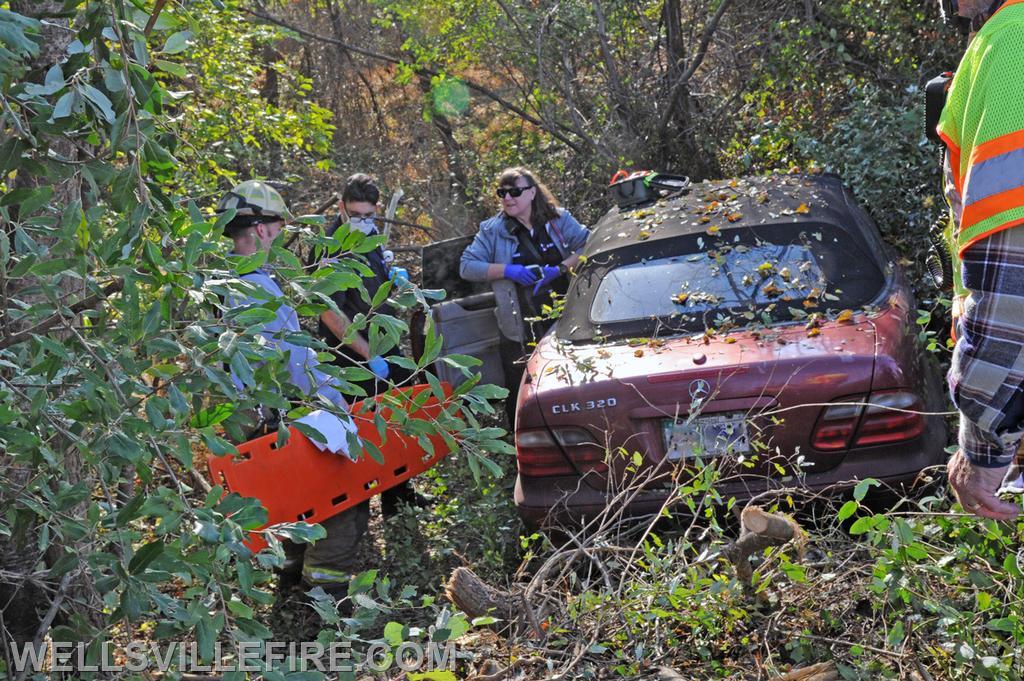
[{"x": 986, "y": 379}]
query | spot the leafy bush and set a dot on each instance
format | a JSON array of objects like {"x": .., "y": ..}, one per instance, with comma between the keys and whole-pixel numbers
[{"x": 117, "y": 348}]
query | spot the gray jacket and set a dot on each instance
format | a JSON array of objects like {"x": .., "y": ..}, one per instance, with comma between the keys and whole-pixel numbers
[{"x": 495, "y": 244}]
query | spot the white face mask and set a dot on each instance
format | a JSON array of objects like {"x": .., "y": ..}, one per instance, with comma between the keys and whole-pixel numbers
[{"x": 365, "y": 225}]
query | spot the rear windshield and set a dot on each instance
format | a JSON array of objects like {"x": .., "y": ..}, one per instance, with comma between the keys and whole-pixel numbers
[{"x": 695, "y": 282}]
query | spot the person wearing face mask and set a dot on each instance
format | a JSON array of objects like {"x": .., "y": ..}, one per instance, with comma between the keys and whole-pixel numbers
[
  {"x": 526, "y": 252},
  {"x": 360, "y": 203}
]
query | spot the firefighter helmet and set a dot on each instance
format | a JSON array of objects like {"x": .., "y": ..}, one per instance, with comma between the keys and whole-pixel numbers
[{"x": 254, "y": 198}]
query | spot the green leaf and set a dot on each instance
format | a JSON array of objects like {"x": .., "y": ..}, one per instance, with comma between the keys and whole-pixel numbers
[
  {"x": 300, "y": 532},
  {"x": 100, "y": 100},
  {"x": 848, "y": 509},
  {"x": 395, "y": 633},
  {"x": 249, "y": 263},
  {"x": 171, "y": 68},
  {"x": 862, "y": 525},
  {"x": 255, "y": 315},
  {"x": 10, "y": 155},
  {"x": 861, "y": 490},
  {"x": 381, "y": 295},
  {"x": 365, "y": 601},
  {"x": 362, "y": 582},
  {"x": 211, "y": 416},
  {"x": 458, "y": 625},
  {"x": 242, "y": 369},
  {"x": 896, "y": 635},
  {"x": 1007, "y": 624},
  {"x": 64, "y": 105},
  {"x": 218, "y": 446},
  {"x": 144, "y": 556},
  {"x": 204, "y": 637},
  {"x": 239, "y": 608},
  {"x": 462, "y": 361},
  {"x": 177, "y": 42}
]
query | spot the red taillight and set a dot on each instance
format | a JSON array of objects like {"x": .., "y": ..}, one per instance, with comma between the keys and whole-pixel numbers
[
  {"x": 836, "y": 425},
  {"x": 544, "y": 453},
  {"x": 885, "y": 418},
  {"x": 890, "y": 417}
]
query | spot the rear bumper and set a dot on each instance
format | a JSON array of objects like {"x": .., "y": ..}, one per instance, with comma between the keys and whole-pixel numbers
[{"x": 571, "y": 500}]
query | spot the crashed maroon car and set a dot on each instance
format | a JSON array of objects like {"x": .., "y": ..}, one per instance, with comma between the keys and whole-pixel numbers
[{"x": 760, "y": 324}]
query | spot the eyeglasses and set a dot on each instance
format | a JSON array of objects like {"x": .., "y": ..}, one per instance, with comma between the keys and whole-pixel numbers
[{"x": 514, "y": 192}]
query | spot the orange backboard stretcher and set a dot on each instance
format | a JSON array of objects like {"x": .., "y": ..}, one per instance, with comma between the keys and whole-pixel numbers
[{"x": 299, "y": 482}]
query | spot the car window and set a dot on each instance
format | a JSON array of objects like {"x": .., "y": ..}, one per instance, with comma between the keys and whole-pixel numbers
[
  {"x": 761, "y": 274},
  {"x": 732, "y": 277}
]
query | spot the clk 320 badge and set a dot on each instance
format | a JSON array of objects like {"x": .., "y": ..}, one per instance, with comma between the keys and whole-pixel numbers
[{"x": 589, "y": 405}]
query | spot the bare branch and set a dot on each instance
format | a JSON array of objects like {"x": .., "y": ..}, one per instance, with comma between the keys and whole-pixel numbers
[
  {"x": 154, "y": 16},
  {"x": 472, "y": 85},
  {"x": 698, "y": 59},
  {"x": 52, "y": 321}
]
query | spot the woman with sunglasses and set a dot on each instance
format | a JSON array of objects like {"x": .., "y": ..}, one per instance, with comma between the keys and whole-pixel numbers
[{"x": 526, "y": 252}]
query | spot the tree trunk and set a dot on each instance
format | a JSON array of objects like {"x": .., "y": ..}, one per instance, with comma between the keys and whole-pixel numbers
[
  {"x": 679, "y": 146},
  {"x": 22, "y": 600}
]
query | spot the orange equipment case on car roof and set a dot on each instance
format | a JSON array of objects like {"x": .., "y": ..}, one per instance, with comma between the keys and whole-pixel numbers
[{"x": 299, "y": 482}]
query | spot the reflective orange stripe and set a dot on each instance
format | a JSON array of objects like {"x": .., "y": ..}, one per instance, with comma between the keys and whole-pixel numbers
[
  {"x": 961, "y": 247},
  {"x": 1000, "y": 145},
  {"x": 989, "y": 206},
  {"x": 1006, "y": 4}
]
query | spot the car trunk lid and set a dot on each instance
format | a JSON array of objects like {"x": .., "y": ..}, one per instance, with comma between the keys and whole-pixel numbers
[{"x": 630, "y": 397}]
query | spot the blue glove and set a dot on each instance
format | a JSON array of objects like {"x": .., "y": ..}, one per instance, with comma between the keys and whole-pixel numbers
[
  {"x": 551, "y": 273},
  {"x": 520, "y": 275},
  {"x": 399, "y": 275},
  {"x": 379, "y": 366}
]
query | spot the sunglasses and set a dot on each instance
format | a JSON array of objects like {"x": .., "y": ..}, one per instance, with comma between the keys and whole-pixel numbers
[{"x": 514, "y": 192}]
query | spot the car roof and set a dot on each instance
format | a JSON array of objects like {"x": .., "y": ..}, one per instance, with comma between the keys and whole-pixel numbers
[
  {"x": 732, "y": 211},
  {"x": 735, "y": 204}
]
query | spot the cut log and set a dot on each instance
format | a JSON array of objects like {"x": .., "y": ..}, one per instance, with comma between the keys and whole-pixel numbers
[
  {"x": 476, "y": 598},
  {"x": 757, "y": 520},
  {"x": 824, "y": 671},
  {"x": 761, "y": 530}
]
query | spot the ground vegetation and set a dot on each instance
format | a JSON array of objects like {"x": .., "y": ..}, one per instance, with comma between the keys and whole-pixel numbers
[{"x": 121, "y": 121}]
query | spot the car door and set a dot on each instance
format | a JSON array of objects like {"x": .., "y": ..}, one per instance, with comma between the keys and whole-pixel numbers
[{"x": 465, "y": 318}]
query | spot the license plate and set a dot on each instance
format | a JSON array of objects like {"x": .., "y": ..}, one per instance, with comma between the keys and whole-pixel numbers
[{"x": 712, "y": 435}]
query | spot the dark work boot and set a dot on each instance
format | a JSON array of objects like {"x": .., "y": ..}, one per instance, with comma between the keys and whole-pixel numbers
[
  {"x": 405, "y": 493},
  {"x": 290, "y": 574}
]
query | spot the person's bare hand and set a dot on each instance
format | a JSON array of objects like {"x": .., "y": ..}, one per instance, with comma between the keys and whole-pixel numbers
[{"x": 975, "y": 487}]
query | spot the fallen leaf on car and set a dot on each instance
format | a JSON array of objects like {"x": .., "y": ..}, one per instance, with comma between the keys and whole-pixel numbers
[
  {"x": 844, "y": 316},
  {"x": 638, "y": 353},
  {"x": 803, "y": 209},
  {"x": 811, "y": 333},
  {"x": 734, "y": 217},
  {"x": 714, "y": 230}
]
